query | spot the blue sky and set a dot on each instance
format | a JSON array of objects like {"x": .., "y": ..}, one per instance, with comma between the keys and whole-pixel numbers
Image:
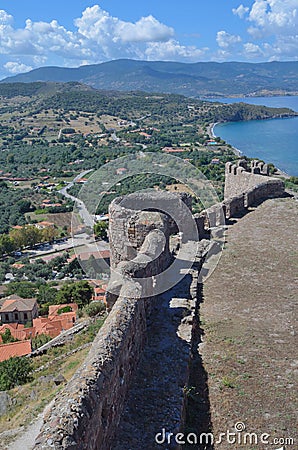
[{"x": 35, "y": 33}]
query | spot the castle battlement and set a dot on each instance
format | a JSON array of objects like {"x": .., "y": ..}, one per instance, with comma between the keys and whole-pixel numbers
[{"x": 243, "y": 177}]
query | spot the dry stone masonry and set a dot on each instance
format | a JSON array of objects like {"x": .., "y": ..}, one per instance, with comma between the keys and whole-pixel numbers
[{"x": 87, "y": 412}]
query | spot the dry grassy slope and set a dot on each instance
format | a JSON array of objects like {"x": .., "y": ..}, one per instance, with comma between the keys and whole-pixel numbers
[{"x": 249, "y": 317}]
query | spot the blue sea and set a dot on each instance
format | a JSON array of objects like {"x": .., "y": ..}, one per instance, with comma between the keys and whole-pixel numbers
[{"x": 274, "y": 140}]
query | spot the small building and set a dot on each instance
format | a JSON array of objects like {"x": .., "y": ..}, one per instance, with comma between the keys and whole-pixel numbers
[
  {"x": 18, "y": 310},
  {"x": 215, "y": 161},
  {"x": 99, "y": 294},
  {"x": 81, "y": 180},
  {"x": 121, "y": 171},
  {"x": 44, "y": 224},
  {"x": 17, "y": 331},
  {"x": 15, "y": 349}
]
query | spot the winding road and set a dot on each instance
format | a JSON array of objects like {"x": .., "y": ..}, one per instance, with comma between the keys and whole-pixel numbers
[{"x": 83, "y": 212}]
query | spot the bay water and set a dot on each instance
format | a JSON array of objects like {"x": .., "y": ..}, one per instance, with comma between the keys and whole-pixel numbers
[{"x": 273, "y": 140}]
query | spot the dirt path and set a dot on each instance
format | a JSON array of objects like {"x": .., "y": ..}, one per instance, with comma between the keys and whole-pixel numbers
[
  {"x": 249, "y": 317},
  {"x": 23, "y": 438},
  {"x": 27, "y": 439}
]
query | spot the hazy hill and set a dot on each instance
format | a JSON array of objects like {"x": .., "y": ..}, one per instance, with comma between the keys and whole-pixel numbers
[{"x": 198, "y": 79}]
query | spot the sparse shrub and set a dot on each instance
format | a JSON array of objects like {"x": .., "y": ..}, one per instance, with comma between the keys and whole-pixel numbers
[
  {"x": 65, "y": 309},
  {"x": 40, "y": 340},
  {"x": 95, "y": 308}
]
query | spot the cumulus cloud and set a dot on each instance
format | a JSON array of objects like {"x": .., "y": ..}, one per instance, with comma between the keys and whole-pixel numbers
[
  {"x": 172, "y": 49},
  {"x": 252, "y": 50},
  {"x": 98, "y": 25},
  {"x": 98, "y": 37},
  {"x": 5, "y": 18},
  {"x": 226, "y": 40},
  {"x": 274, "y": 16},
  {"x": 273, "y": 27},
  {"x": 240, "y": 11},
  {"x": 16, "y": 67}
]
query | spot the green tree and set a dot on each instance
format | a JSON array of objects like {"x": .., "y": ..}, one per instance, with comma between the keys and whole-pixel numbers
[
  {"x": 32, "y": 235},
  {"x": 7, "y": 337},
  {"x": 14, "y": 372},
  {"x": 46, "y": 295},
  {"x": 40, "y": 340},
  {"x": 100, "y": 229},
  {"x": 24, "y": 289},
  {"x": 80, "y": 293},
  {"x": 49, "y": 234},
  {"x": 6, "y": 244},
  {"x": 94, "y": 308},
  {"x": 10, "y": 158},
  {"x": 18, "y": 238}
]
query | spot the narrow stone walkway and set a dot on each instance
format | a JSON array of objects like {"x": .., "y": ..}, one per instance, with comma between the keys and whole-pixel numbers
[
  {"x": 156, "y": 396},
  {"x": 249, "y": 317}
]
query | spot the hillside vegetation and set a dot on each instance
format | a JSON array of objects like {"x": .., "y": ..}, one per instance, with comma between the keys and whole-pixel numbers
[
  {"x": 51, "y": 131},
  {"x": 197, "y": 79},
  {"x": 58, "y": 129}
]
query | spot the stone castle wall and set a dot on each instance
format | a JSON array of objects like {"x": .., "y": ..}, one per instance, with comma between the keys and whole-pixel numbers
[
  {"x": 86, "y": 413},
  {"x": 241, "y": 177}
]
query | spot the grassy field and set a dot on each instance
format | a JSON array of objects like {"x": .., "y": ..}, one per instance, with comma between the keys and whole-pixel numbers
[{"x": 249, "y": 320}]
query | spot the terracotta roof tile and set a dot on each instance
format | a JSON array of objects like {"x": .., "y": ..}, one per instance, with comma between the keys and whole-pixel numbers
[
  {"x": 14, "y": 349},
  {"x": 53, "y": 309}
]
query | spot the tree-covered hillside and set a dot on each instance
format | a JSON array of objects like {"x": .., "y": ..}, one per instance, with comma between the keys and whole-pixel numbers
[
  {"x": 57, "y": 129},
  {"x": 196, "y": 79}
]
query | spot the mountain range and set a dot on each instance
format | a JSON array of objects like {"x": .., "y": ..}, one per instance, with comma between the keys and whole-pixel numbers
[{"x": 202, "y": 79}]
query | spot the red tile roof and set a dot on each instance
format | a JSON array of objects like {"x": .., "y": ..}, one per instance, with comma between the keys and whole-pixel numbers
[
  {"x": 173, "y": 150},
  {"x": 14, "y": 349},
  {"x": 53, "y": 309},
  {"x": 99, "y": 290},
  {"x": 54, "y": 325},
  {"x": 18, "y": 266},
  {"x": 18, "y": 331},
  {"x": 104, "y": 254},
  {"x": 44, "y": 223}
]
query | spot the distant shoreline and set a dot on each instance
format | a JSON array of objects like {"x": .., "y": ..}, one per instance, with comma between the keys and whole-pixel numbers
[{"x": 212, "y": 134}]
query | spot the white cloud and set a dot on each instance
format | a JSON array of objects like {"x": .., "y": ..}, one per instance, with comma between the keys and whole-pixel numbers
[
  {"x": 274, "y": 25},
  {"x": 5, "y": 19},
  {"x": 98, "y": 37},
  {"x": 147, "y": 29},
  {"x": 171, "y": 50},
  {"x": 98, "y": 25},
  {"x": 240, "y": 11},
  {"x": 226, "y": 40},
  {"x": 274, "y": 16},
  {"x": 16, "y": 67},
  {"x": 252, "y": 50}
]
